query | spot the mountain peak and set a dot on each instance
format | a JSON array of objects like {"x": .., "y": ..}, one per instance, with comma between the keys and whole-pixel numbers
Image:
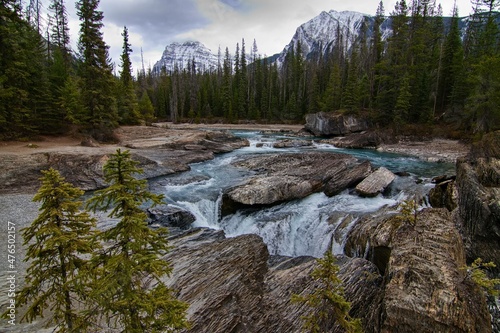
[{"x": 181, "y": 56}]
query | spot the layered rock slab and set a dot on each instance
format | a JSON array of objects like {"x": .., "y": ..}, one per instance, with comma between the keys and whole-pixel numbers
[
  {"x": 478, "y": 183},
  {"x": 282, "y": 177},
  {"x": 426, "y": 289},
  {"x": 233, "y": 285}
]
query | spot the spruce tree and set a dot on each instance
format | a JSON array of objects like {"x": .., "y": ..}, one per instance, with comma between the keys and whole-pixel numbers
[
  {"x": 127, "y": 101},
  {"x": 57, "y": 241},
  {"x": 327, "y": 301},
  {"x": 97, "y": 80},
  {"x": 128, "y": 289}
]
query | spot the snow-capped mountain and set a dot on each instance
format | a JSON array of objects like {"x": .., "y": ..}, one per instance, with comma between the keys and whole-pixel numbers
[
  {"x": 319, "y": 35},
  {"x": 323, "y": 32},
  {"x": 181, "y": 55}
]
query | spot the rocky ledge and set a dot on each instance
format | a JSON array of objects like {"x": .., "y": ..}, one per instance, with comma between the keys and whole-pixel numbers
[
  {"x": 283, "y": 177},
  {"x": 233, "y": 285},
  {"x": 159, "y": 152},
  {"x": 478, "y": 213}
]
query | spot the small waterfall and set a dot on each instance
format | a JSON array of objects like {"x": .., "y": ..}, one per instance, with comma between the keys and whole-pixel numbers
[
  {"x": 295, "y": 228},
  {"x": 206, "y": 211},
  {"x": 306, "y": 226}
]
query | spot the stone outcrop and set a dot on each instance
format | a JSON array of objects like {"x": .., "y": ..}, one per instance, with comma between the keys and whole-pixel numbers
[
  {"x": 334, "y": 124},
  {"x": 232, "y": 285},
  {"x": 281, "y": 177},
  {"x": 347, "y": 177},
  {"x": 365, "y": 139},
  {"x": 292, "y": 143},
  {"x": 169, "y": 216},
  {"x": 375, "y": 183},
  {"x": 478, "y": 183},
  {"x": 425, "y": 288}
]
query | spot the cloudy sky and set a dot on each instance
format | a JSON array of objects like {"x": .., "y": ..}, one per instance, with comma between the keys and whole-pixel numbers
[{"x": 153, "y": 24}]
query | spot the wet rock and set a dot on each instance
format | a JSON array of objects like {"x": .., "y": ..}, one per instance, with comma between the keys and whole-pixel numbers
[
  {"x": 348, "y": 177},
  {"x": 334, "y": 124},
  {"x": 269, "y": 190},
  {"x": 292, "y": 143},
  {"x": 292, "y": 176},
  {"x": 375, "y": 183},
  {"x": 169, "y": 216}
]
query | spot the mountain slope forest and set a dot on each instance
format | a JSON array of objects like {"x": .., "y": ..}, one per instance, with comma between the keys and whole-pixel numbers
[{"x": 427, "y": 72}]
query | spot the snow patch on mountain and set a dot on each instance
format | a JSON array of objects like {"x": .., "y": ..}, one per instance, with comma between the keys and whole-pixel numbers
[
  {"x": 182, "y": 55},
  {"x": 328, "y": 29}
]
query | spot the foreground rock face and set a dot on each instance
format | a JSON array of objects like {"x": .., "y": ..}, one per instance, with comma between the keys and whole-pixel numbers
[
  {"x": 231, "y": 287},
  {"x": 478, "y": 183},
  {"x": 282, "y": 177},
  {"x": 334, "y": 124},
  {"x": 426, "y": 290}
]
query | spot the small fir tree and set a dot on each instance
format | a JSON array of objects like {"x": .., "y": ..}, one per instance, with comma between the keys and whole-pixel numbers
[
  {"x": 327, "y": 301},
  {"x": 57, "y": 240},
  {"x": 127, "y": 101},
  {"x": 477, "y": 273},
  {"x": 128, "y": 290}
]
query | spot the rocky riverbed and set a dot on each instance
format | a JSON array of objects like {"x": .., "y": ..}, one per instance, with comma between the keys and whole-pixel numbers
[{"x": 399, "y": 277}]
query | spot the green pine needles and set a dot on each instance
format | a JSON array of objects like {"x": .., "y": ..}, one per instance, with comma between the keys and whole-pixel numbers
[
  {"x": 85, "y": 279},
  {"x": 58, "y": 241},
  {"x": 127, "y": 287},
  {"x": 327, "y": 301}
]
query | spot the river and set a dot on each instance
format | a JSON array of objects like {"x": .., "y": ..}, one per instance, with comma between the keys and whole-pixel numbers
[{"x": 299, "y": 227}]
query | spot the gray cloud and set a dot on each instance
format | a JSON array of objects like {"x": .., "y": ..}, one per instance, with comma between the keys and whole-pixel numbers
[{"x": 153, "y": 24}]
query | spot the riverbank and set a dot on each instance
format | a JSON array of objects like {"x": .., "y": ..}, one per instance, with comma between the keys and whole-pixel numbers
[{"x": 433, "y": 150}]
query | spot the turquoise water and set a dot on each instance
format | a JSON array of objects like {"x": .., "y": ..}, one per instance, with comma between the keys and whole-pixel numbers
[{"x": 298, "y": 227}]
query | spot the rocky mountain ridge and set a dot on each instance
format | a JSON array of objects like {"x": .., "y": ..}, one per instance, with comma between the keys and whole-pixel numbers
[{"x": 317, "y": 36}]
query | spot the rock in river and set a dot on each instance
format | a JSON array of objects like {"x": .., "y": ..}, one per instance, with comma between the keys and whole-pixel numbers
[
  {"x": 375, "y": 183},
  {"x": 282, "y": 177},
  {"x": 334, "y": 124}
]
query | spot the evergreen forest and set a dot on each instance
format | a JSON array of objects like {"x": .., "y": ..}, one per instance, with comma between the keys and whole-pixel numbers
[{"x": 430, "y": 71}]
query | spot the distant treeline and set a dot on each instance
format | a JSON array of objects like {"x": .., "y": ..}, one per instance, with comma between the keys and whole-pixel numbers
[{"x": 427, "y": 72}]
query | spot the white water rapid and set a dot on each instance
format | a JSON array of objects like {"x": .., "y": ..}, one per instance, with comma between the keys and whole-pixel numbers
[{"x": 298, "y": 227}]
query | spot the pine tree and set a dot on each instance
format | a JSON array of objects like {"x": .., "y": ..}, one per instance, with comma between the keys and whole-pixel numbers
[
  {"x": 327, "y": 301},
  {"x": 128, "y": 290},
  {"x": 127, "y": 101},
  {"x": 57, "y": 241},
  {"x": 97, "y": 80}
]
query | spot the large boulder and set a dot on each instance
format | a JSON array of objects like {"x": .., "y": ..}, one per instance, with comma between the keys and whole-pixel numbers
[
  {"x": 334, "y": 124},
  {"x": 426, "y": 288},
  {"x": 375, "y": 183},
  {"x": 478, "y": 183},
  {"x": 282, "y": 177},
  {"x": 169, "y": 216}
]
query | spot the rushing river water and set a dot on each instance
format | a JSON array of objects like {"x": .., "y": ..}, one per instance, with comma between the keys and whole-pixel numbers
[{"x": 298, "y": 227}]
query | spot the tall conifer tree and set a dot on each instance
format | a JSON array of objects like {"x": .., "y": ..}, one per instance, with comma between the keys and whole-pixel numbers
[
  {"x": 95, "y": 71},
  {"x": 127, "y": 101},
  {"x": 128, "y": 289},
  {"x": 57, "y": 241}
]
